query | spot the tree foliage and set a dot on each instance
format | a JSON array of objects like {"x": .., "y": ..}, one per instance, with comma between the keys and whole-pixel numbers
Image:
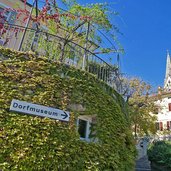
[
  {"x": 82, "y": 24},
  {"x": 159, "y": 153},
  {"x": 136, "y": 93}
]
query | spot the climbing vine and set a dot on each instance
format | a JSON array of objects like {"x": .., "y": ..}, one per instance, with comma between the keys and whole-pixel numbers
[{"x": 35, "y": 143}]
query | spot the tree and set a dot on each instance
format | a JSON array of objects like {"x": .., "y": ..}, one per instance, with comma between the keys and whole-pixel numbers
[
  {"x": 99, "y": 20},
  {"x": 81, "y": 25},
  {"x": 136, "y": 93},
  {"x": 71, "y": 36},
  {"x": 76, "y": 30}
]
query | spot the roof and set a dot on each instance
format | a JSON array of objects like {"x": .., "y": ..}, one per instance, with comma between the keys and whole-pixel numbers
[{"x": 159, "y": 95}]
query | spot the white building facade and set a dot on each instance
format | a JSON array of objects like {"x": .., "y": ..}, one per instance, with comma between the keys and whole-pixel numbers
[{"x": 163, "y": 113}]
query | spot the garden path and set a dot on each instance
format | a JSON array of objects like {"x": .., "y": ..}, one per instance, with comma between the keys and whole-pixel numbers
[{"x": 142, "y": 164}]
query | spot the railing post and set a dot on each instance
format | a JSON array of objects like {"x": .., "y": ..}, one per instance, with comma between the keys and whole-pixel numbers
[
  {"x": 26, "y": 27},
  {"x": 85, "y": 52}
]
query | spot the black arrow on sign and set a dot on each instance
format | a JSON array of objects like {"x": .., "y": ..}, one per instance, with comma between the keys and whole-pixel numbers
[{"x": 65, "y": 115}]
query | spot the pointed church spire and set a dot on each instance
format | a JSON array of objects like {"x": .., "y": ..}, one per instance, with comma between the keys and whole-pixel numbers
[
  {"x": 167, "y": 81},
  {"x": 168, "y": 65},
  {"x": 168, "y": 54}
]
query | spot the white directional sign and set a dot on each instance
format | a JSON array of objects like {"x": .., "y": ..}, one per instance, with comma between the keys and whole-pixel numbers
[{"x": 38, "y": 110}]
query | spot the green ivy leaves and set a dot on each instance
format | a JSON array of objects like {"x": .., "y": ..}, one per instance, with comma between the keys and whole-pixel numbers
[{"x": 35, "y": 143}]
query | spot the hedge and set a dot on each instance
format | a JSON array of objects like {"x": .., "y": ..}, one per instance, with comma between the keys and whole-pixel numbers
[{"x": 159, "y": 153}]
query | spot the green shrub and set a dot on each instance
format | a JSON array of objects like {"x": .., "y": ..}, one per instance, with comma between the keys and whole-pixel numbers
[{"x": 160, "y": 153}]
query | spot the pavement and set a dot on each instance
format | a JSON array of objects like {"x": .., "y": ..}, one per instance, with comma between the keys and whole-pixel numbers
[{"x": 142, "y": 164}]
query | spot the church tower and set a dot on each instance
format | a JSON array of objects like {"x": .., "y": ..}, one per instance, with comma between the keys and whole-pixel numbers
[{"x": 167, "y": 81}]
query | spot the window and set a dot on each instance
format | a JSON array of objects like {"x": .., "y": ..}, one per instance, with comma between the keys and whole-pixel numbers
[
  {"x": 168, "y": 125},
  {"x": 84, "y": 124},
  {"x": 169, "y": 105},
  {"x": 9, "y": 16},
  {"x": 156, "y": 109},
  {"x": 159, "y": 126},
  {"x": 5, "y": 15},
  {"x": 82, "y": 129},
  {"x": 12, "y": 17},
  {"x": 3, "y": 18}
]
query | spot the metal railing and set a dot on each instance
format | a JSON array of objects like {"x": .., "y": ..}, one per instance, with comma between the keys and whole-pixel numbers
[{"x": 57, "y": 48}]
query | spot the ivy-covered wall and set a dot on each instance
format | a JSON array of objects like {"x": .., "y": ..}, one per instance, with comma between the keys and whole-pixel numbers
[{"x": 31, "y": 143}]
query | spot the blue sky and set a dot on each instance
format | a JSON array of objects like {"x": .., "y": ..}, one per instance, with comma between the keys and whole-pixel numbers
[
  {"x": 146, "y": 26},
  {"x": 147, "y": 36}
]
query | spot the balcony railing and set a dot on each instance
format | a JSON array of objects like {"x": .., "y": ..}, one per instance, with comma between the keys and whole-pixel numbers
[{"x": 57, "y": 48}]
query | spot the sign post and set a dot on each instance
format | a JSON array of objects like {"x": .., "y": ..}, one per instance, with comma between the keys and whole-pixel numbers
[{"x": 38, "y": 110}]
